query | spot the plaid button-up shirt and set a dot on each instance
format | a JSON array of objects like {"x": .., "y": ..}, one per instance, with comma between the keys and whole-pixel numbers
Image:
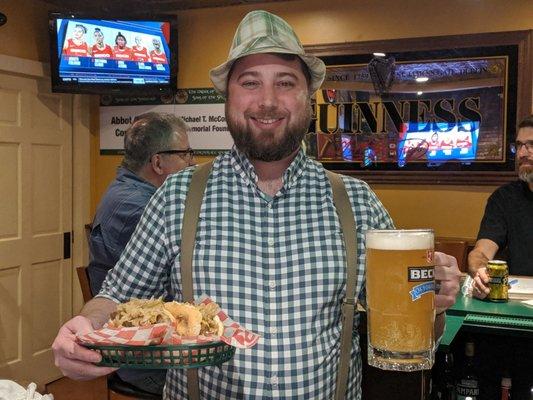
[{"x": 276, "y": 265}]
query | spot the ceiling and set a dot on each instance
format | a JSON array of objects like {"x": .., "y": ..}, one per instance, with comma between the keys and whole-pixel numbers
[{"x": 141, "y": 6}]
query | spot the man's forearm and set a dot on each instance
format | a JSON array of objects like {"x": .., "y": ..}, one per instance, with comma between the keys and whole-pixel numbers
[
  {"x": 98, "y": 310},
  {"x": 476, "y": 260},
  {"x": 484, "y": 251}
]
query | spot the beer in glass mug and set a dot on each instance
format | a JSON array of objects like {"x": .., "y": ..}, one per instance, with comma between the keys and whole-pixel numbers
[{"x": 400, "y": 299}]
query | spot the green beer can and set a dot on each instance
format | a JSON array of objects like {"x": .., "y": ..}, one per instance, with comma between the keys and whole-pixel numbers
[{"x": 498, "y": 284}]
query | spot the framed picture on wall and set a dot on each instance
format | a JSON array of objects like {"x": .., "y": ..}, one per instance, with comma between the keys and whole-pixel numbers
[{"x": 427, "y": 110}]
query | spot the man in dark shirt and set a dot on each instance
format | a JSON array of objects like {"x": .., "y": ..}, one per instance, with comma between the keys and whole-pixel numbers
[
  {"x": 156, "y": 145},
  {"x": 508, "y": 220}
]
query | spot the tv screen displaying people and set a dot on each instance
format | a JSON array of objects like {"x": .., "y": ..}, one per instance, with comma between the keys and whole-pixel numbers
[
  {"x": 439, "y": 141},
  {"x": 113, "y": 51}
]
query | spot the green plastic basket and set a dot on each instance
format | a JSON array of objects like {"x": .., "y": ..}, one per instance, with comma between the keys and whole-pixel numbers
[{"x": 164, "y": 356}]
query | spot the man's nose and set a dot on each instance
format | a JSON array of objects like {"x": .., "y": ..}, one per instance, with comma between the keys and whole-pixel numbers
[
  {"x": 268, "y": 97},
  {"x": 522, "y": 151}
]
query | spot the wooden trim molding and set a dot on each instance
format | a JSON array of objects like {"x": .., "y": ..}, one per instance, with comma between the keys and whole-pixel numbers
[
  {"x": 432, "y": 178},
  {"x": 81, "y": 187},
  {"x": 23, "y": 66}
]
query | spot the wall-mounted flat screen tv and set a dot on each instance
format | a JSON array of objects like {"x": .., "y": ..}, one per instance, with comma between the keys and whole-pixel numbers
[
  {"x": 438, "y": 142},
  {"x": 113, "y": 56}
]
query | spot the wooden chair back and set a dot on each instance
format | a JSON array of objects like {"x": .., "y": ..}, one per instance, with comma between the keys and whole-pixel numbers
[
  {"x": 83, "y": 278},
  {"x": 454, "y": 247}
]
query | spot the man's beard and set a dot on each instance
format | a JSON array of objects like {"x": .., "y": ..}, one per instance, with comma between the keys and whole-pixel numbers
[
  {"x": 525, "y": 172},
  {"x": 266, "y": 146}
]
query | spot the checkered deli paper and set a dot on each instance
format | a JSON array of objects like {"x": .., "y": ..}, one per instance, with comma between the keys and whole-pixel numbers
[{"x": 163, "y": 334}]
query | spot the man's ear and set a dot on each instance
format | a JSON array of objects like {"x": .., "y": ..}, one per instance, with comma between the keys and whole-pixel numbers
[{"x": 155, "y": 163}]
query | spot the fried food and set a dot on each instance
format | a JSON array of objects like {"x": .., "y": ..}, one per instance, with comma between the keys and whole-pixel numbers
[
  {"x": 193, "y": 320},
  {"x": 141, "y": 312},
  {"x": 187, "y": 319},
  {"x": 211, "y": 324}
]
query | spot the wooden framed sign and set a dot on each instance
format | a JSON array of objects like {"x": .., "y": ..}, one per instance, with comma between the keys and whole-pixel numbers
[{"x": 428, "y": 110}]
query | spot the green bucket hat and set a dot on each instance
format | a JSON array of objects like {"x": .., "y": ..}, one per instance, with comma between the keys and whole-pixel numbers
[{"x": 263, "y": 32}]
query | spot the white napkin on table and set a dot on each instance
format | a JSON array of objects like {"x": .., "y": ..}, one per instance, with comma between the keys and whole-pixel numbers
[{"x": 10, "y": 390}]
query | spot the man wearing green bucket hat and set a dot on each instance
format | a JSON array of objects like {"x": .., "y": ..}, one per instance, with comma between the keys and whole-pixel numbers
[
  {"x": 261, "y": 32},
  {"x": 274, "y": 241}
]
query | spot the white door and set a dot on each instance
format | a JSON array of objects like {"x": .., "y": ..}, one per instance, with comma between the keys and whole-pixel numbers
[{"x": 35, "y": 212}]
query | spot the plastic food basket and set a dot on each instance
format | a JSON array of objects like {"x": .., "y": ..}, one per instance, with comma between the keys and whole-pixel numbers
[{"x": 164, "y": 356}]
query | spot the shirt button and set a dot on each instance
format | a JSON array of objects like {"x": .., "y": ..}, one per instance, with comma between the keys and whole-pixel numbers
[
  {"x": 270, "y": 242},
  {"x": 274, "y": 380},
  {"x": 273, "y": 331},
  {"x": 272, "y": 285},
  {"x": 269, "y": 205}
]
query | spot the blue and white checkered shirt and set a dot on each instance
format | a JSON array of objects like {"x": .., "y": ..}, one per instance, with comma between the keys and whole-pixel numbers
[{"x": 276, "y": 265}]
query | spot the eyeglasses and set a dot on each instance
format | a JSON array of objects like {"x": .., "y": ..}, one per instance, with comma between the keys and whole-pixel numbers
[
  {"x": 516, "y": 146},
  {"x": 188, "y": 153}
]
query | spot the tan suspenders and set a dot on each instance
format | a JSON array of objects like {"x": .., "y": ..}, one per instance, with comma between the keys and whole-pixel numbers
[
  {"x": 347, "y": 220},
  {"x": 193, "y": 202}
]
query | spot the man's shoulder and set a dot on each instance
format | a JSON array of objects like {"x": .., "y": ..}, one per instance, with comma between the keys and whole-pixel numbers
[
  {"x": 509, "y": 196},
  {"x": 513, "y": 188},
  {"x": 355, "y": 184},
  {"x": 352, "y": 184},
  {"x": 366, "y": 206},
  {"x": 514, "y": 185},
  {"x": 126, "y": 176},
  {"x": 128, "y": 187},
  {"x": 122, "y": 200},
  {"x": 358, "y": 190},
  {"x": 180, "y": 180}
]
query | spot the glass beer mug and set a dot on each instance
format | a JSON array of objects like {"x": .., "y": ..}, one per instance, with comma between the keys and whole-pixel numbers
[{"x": 400, "y": 290}]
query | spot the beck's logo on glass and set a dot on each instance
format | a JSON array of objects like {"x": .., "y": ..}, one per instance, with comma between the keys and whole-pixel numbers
[
  {"x": 423, "y": 275},
  {"x": 420, "y": 274}
]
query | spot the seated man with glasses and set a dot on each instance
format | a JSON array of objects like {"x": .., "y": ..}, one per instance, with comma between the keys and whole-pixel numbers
[
  {"x": 508, "y": 220},
  {"x": 156, "y": 145}
]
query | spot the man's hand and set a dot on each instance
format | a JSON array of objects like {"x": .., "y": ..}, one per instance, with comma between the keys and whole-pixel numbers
[
  {"x": 73, "y": 360},
  {"x": 447, "y": 275},
  {"x": 480, "y": 289}
]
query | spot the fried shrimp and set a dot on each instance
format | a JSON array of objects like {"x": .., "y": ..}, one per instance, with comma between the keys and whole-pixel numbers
[{"x": 188, "y": 318}]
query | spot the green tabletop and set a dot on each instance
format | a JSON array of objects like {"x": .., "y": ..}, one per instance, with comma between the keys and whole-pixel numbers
[
  {"x": 511, "y": 316},
  {"x": 469, "y": 305}
]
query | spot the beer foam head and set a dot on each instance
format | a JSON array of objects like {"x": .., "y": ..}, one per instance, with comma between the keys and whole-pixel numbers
[{"x": 399, "y": 239}]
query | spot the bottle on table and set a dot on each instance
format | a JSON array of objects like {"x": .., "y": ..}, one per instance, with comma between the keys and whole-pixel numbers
[
  {"x": 443, "y": 384},
  {"x": 449, "y": 380},
  {"x": 468, "y": 382}
]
